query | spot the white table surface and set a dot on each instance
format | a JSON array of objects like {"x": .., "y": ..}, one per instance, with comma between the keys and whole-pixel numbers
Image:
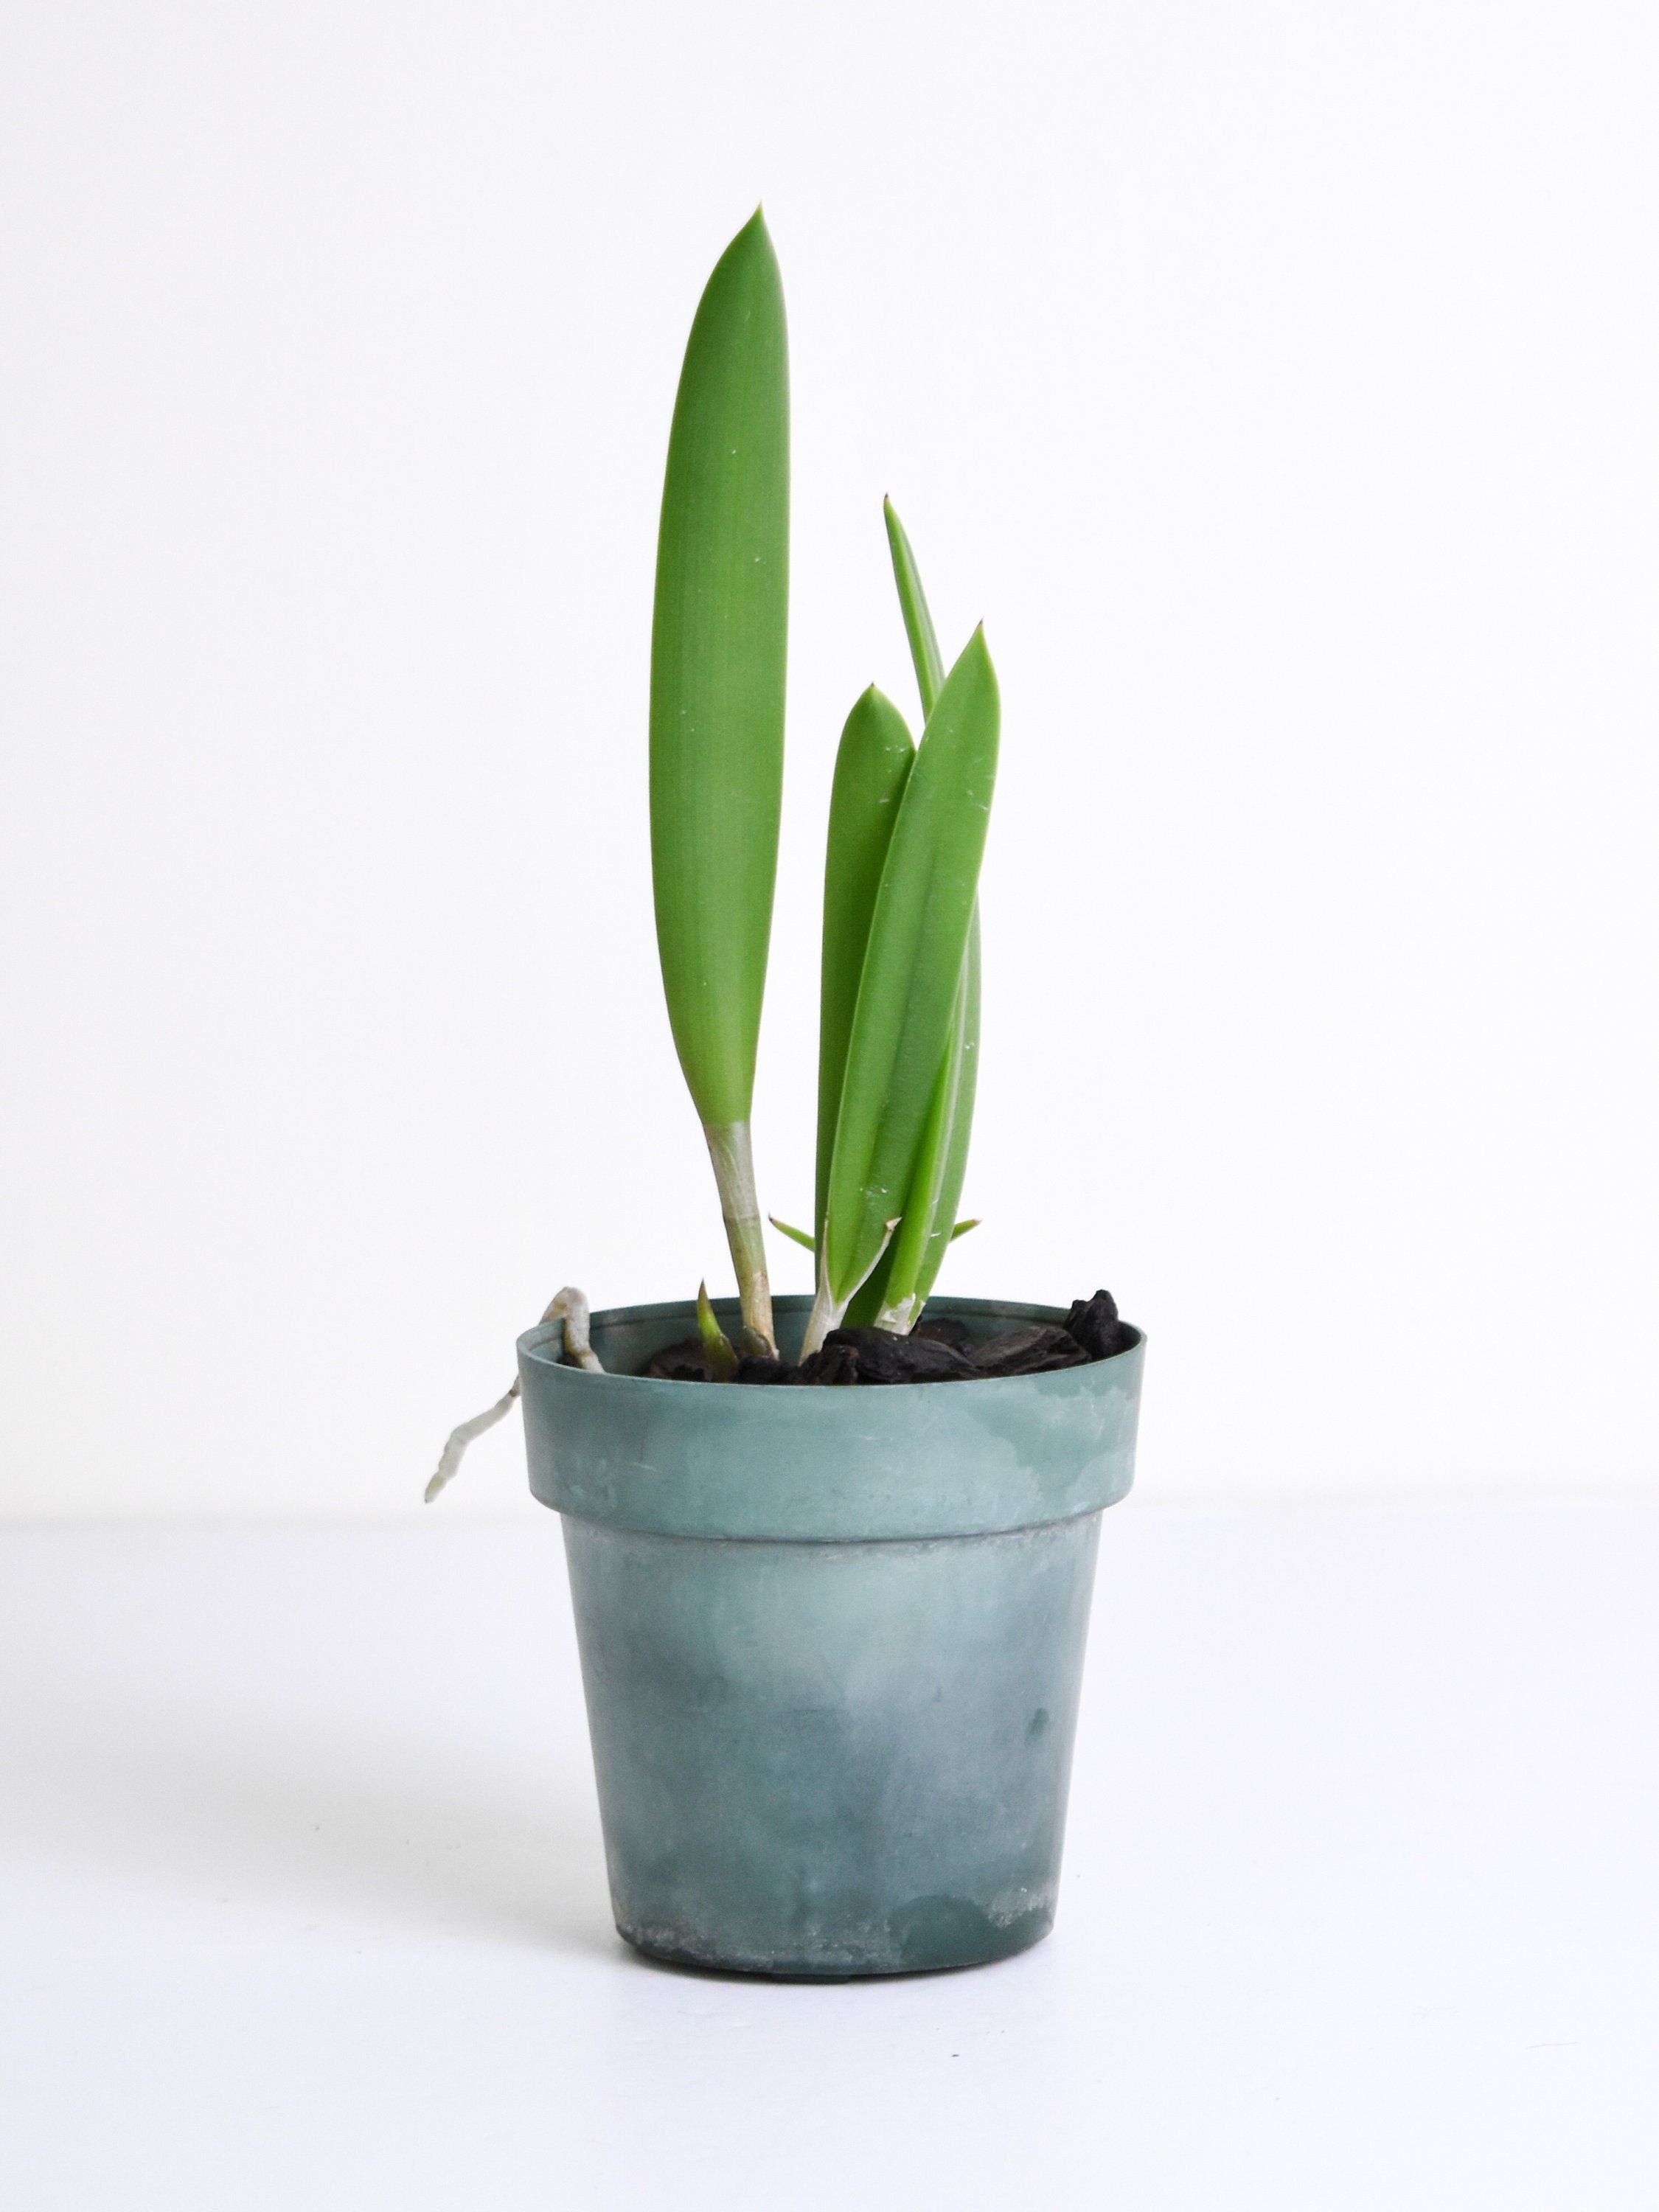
[{"x": 302, "y": 1904}]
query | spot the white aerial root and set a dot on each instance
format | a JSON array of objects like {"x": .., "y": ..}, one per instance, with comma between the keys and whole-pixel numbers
[
  {"x": 468, "y": 1433},
  {"x": 571, "y": 1308}
]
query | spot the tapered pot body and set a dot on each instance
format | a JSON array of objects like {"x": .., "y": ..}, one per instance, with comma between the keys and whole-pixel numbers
[{"x": 832, "y": 1642}]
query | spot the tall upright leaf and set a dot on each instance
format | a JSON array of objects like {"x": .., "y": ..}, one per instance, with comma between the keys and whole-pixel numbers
[
  {"x": 911, "y": 1264},
  {"x": 894, "y": 1293},
  {"x": 872, "y": 763},
  {"x": 717, "y": 692},
  {"x": 912, "y": 604},
  {"x": 912, "y": 978}
]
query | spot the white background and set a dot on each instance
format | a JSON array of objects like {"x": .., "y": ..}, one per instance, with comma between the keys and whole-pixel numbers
[
  {"x": 1278, "y": 383},
  {"x": 302, "y": 1902}
]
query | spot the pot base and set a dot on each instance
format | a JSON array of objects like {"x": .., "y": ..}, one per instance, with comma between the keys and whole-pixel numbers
[{"x": 937, "y": 1936}]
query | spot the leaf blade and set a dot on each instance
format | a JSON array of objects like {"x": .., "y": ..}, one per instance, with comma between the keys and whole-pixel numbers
[
  {"x": 913, "y": 971},
  {"x": 925, "y": 654},
  {"x": 930, "y": 1209},
  {"x": 718, "y": 650},
  {"x": 717, "y": 1347},
  {"x": 898, "y": 1286},
  {"x": 873, "y": 765}
]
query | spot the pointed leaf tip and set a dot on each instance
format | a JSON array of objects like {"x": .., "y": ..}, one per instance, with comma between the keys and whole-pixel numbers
[
  {"x": 756, "y": 226},
  {"x": 717, "y": 1349},
  {"x": 913, "y": 603},
  {"x": 788, "y": 1228}
]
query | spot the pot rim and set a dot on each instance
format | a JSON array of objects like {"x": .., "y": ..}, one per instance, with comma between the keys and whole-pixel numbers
[
  {"x": 920, "y": 1460},
  {"x": 539, "y": 1343}
]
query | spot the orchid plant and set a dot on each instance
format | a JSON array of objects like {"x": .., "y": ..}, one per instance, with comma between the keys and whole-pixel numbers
[
  {"x": 900, "y": 977},
  {"x": 899, "y": 986}
]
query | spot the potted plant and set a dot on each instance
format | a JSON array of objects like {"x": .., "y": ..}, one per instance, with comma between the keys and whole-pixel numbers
[{"x": 831, "y": 1558}]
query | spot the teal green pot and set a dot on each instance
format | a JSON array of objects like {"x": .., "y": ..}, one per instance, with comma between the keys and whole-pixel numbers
[{"x": 831, "y": 1640}]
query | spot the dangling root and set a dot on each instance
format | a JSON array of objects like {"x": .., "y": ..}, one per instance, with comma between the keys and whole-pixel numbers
[
  {"x": 469, "y": 1432},
  {"x": 571, "y": 1308}
]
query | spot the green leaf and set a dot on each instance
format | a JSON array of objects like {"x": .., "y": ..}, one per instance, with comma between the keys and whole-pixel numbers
[
  {"x": 871, "y": 1296},
  {"x": 897, "y": 1288},
  {"x": 913, "y": 972},
  {"x": 913, "y": 603},
  {"x": 717, "y": 674},
  {"x": 930, "y": 1209},
  {"x": 717, "y": 1348},
  {"x": 919, "y": 1246},
  {"x": 797, "y": 1236},
  {"x": 872, "y": 765}
]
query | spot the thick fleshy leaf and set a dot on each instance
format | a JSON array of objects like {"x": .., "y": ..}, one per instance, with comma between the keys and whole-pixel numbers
[
  {"x": 717, "y": 674},
  {"x": 898, "y": 1287},
  {"x": 930, "y": 1208},
  {"x": 871, "y": 1296},
  {"x": 912, "y": 604},
  {"x": 872, "y": 763},
  {"x": 913, "y": 971}
]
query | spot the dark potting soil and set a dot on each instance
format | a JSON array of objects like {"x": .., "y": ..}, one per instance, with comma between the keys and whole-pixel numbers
[{"x": 942, "y": 1351}]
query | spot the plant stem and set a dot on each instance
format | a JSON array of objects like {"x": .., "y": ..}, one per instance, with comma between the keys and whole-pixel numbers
[{"x": 734, "y": 1174}]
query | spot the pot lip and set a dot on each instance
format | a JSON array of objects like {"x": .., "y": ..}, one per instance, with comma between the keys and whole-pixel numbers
[
  {"x": 863, "y": 1465},
  {"x": 539, "y": 1343}
]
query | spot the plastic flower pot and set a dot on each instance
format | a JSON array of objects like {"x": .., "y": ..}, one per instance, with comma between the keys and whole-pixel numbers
[{"x": 831, "y": 1641}]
